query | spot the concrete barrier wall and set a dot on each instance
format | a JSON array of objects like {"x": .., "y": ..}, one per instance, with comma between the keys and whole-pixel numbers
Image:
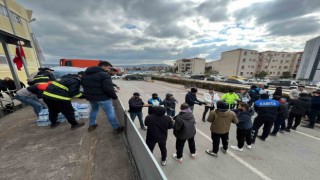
[{"x": 144, "y": 161}]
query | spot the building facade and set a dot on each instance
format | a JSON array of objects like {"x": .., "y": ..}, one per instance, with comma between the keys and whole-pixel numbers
[
  {"x": 20, "y": 31},
  {"x": 191, "y": 66},
  {"x": 309, "y": 68},
  {"x": 214, "y": 65},
  {"x": 238, "y": 62}
]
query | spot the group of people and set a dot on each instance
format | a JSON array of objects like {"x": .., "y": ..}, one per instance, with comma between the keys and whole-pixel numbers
[
  {"x": 8, "y": 86},
  {"x": 98, "y": 89},
  {"x": 272, "y": 111}
]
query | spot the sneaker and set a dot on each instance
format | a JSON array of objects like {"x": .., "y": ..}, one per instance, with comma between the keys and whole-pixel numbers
[
  {"x": 73, "y": 127},
  {"x": 236, "y": 148},
  {"x": 294, "y": 128},
  {"x": 261, "y": 138},
  {"x": 164, "y": 163},
  {"x": 175, "y": 158},
  {"x": 287, "y": 130},
  {"x": 91, "y": 128},
  {"x": 143, "y": 128},
  {"x": 307, "y": 126},
  {"x": 118, "y": 130},
  {"x": 193, "y": 156},
  {"x": 223, "y": 150},
  {"x": 272, "y": 134},
  {"x": 55, "y": 124},
  {"x": 248, "y": 146},
  {"x": 211, "y": 153}
]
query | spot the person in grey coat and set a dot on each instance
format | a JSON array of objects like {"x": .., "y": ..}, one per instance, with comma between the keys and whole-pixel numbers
[{"x": 184, "y": 130}]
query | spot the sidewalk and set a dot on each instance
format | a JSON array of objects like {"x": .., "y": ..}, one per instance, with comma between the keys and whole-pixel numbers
[{"x": 31, "y": 152}]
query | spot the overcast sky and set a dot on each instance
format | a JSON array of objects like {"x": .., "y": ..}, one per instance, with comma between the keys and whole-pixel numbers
[{"x": 157, "y": 31}]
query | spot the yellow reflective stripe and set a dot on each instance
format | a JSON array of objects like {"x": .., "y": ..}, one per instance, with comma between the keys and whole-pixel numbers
[
  {"x": 41, "y": 83},
  {"x": 36, "y": 78},
  {"x": 56, "y": 96},
  {"x": 60, "y": 85},
  {"x": 80, "y": 94}
]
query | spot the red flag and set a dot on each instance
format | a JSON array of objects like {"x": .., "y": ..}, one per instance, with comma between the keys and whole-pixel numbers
[{"x": 18, "y": 58}]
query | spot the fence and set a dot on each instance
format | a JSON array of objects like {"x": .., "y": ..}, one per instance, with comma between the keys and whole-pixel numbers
[{"x": 144, "y": 161}]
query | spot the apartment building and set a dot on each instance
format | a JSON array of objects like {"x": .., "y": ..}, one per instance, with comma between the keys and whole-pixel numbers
[
  {"x": 238, "y": 62},
  {"x": 191, "y": 66},
  {"x": 276, "y": 63},
  {"x": 12, "y": 32},
  {"x": 309, "y": 68},
  {"x": 214, "y": 65}
]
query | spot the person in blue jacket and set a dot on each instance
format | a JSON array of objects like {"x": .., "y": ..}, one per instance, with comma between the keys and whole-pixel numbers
[
  {"x": 267, "y": 110},
  {"x": 154, "y": 101}
]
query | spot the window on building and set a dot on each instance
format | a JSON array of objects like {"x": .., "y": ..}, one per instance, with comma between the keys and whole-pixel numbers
[
  {"x": 287, "y": 61},
  {"x": 3, "y": 11},
  {"x": 244, "y": 60},
  {"x": 278, "y": 73},
  {"x": 16, "y": 18},
  {"x": 250, "y": 60},
  {"x": 3, "y": 60},
  {"x": 251, "y": 52},
  {"x": 270, "y": 73},
  {"x": 274, "y": 66},
  {"x": 247, "y": 72},
  {"x": 259, "y": 66},
  {"x": 249, "y": 66},
  {"x": 241, "y": 73},
  {"x": 251, "y": 73},
  {"x": 282, "y": 55},
  {"x": 279, "y": 67},
  {"x": 252, "y": 66},
  {"x": 274, "y": 72},
  {"x": 242, "y": 67},
  {"x": 288, "y": 55},
  {"x": 271, "y": 66},
  {"x": 245, "y": 53},
  {"x": 273, "y": 60},
  {"x": 285, "y": 67},
  {"x": 266, "y": 67},
  {"x": 281, "y": 61}
]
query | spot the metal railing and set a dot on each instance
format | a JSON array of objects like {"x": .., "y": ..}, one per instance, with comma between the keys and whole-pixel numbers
[{"x": 146, "y": 165}]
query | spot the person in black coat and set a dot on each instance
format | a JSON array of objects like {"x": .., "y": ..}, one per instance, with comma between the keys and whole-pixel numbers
[
  {"x": 244, "y": 126},
  {"x": 278, "y": 91},
  {"x": 280, "y": 123},
  {"x": 191, "y": 98},
  {"x": 299, "y": 107},
  {"x": 170, "y": 104},
  {"x": 158, "y": 124},
  {"x": 135, "y": 108},
  {"x": 184, "y": 130},
  {"x": 99, "y": 91},
  {"x": 44, "y": 75},
  {"x": 315, "y": 109}
]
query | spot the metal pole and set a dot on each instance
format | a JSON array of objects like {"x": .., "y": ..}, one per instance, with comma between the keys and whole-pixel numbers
[
  {"x": 14, "y": 32},
  {"x": 12, "y": 69},
  {"x": 24, "y": 61},
  {"x": 35, "y": 48}
]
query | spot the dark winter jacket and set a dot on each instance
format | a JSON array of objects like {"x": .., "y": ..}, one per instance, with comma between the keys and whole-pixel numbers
[
  {"x": 267, "y": 108},
  {"x": 315, "y": 103},
  {"x": 169, "y": 104},
  {"x": 97, "y": 85},
  {"x": 191, "y": 99},
  {"x": 244, "y": 118},
  {"x": 64, "y": 89},
  {"x": 151, "y": 101},
  {"x": 158, "y": 124},
  {"x": 184, "y": 125},
  {"x": 135, "y": 105},
  {"x": 284, "y": 110},
  {"x": 254, "y": 95},
  {"x": 300, "y": 106}
]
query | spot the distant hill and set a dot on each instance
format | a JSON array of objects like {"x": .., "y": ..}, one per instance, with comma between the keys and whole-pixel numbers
[{"x": 123, "y": 66}]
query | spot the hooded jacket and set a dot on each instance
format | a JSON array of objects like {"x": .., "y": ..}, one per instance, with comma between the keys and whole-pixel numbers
[
  {"x": 184, "y": 125},
  {"x": 158, "y": 124},
  {"x": 135, "y": 105},
  {"x": 267, "y": 108},
  {"x": 221, "y": 120},
  {"x": 97, "y": 85},
  {"x": 169, "y": 104},
  {"x": 191, "y": 99},
  {"x": 284, "y": 112},
  {"x": 300, "y": 106},
  {"x": 244, "y": 118}
]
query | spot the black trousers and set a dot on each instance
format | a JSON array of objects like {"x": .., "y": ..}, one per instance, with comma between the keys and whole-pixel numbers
[
  {"x": 65, "y": 107},
  {"x": 296, "y": 117},
  {"x": 243, "y": 135},
  {"x": 267, "y": 123},
  {"x": 162, "y": 145},
  {"x": 216, "y": 141},
  {"x": 180, "y": 144},
  {"x": 206, "y": 109}
]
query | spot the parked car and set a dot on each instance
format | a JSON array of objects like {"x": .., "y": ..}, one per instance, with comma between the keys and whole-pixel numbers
[
  {"x": 199, "y": 77},
  {"x": 236, "y": 81},
  {"x": 133, "y": 77},
  {"x": 289, "y": 84},
  {"x": 211, "y": 79}
]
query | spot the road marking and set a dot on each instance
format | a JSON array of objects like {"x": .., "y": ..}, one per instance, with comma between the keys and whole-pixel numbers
[
  {"x": 140, "y": 90},
  {"x": 243, "y": 162},
  {"x": 307, "y": 135}
]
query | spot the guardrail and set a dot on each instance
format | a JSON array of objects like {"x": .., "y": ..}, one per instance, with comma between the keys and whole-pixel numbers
[{"x": 144, "y": 161}]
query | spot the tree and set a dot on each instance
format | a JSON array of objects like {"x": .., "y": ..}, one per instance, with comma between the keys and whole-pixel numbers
[
  {"x": 286, "y": 74},
  {"x": 261, "y": 74}
]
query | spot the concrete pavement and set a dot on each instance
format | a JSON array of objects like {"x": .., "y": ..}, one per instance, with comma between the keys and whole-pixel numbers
[{"x": 292, "y": 155}]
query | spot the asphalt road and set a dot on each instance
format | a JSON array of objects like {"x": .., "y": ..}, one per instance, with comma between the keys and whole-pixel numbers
[{"x": 294, "y": 155}]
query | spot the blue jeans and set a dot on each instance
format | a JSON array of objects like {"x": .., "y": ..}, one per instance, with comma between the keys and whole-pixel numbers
[
  {"x": 171, "y": 113},
  {"x": 108, "y": 109},
  {"x": 35, "y": 103},
  {"x": 139, "y": 114}
]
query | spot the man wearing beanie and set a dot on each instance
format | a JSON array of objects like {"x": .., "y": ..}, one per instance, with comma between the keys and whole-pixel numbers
[
  {"x": 191, "y": 98},
  {"x": 267, "y": 110},
  {"x": 299, "y": 107},
  {"x": 220, "y": 120}
]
